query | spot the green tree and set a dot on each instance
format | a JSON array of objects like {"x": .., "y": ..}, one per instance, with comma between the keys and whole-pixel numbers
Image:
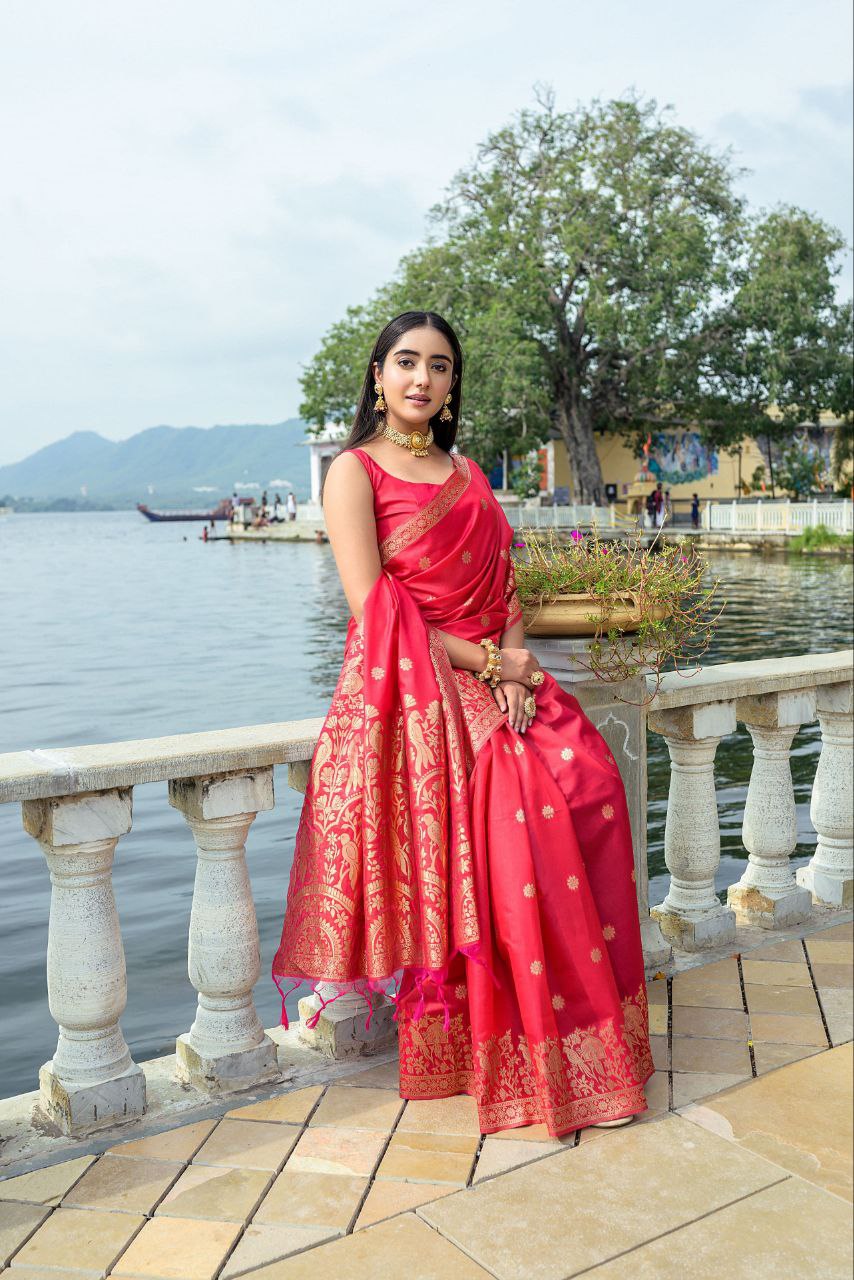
[{"x": 603, "y": 275}]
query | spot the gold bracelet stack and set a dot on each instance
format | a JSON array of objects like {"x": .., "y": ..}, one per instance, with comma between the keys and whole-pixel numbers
[{"x": 491, "y": 673}]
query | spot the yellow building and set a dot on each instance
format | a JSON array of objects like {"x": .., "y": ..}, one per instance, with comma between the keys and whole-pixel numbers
[{"x": 678, "y": 459}]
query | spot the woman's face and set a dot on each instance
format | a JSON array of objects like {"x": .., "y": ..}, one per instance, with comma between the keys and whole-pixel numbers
[{"x": 417, "y": 375}]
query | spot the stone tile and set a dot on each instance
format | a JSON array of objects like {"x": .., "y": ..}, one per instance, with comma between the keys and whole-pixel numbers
[
  {"x": 429, "y": 1157},
  {"x": 208, "y": 1191},
  {"x": 52, "y": 1273},
  {"x": 173, "y": 1144},
  {"x": 45, "y": 1186},
  {"x": 838, "y": 1006},
  {"x": 385, "y": 1199},
  {"x": 238, "y": 1145},
  {"x": 765, "y": 998},
  {"x": 768, "y": 1057},
  {"x": 758, "y": 1237},
  {"x": 826, "y": 951},
  {"x": 787, "y": 1028},
  {"x": 718, "y": 990},
  {"x": 402, "y": 1246},
  {"x": 384, "y": 1076},
  {"x": 262, "y": 1244},
  {"x": 586, "y": 1205},
  {"x": 690, "y": 1085},
  {"x": 837, "y": 933},
  {"x": 833, "y": 975},
  {"x": 178, "y": 1249},
  {"x": 799, "y": 1117},
  {"x": 132, "y": 1186},
  {"x": 17, "y": 1224},
  {"x": 358, "y": 1108},
  {"x": 727, "y": 1056},
  {"x": 91, "y": 1238},
  {"x": 656, "y": 991},
  {"x": 779, "y": 973},
  {"x": 498, "y": 1157},
  {"x": 660, "y": 1055},
  {"x": 287, "y": 1108},
  {"x": 528, "y": 1133},
  {"x": 715, "y": 1024},
  {"x": 351, "y": 1152},
  {"x": 789, "y": 949},
  {"x": 658, "y": 1019},
  {"x": 656, "y": 1093},
  {"x": 301, "y": 1198},
  {"x": 442, "y": 1115}
]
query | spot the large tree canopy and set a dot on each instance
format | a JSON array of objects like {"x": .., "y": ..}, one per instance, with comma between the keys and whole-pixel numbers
[{"x": 603, "y": 275}]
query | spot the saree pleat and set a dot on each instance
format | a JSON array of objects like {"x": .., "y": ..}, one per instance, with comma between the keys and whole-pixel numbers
[{"x": 490, "y": 873}]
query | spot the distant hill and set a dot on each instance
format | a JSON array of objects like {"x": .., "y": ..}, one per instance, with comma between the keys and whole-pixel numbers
[{"x": 164, "y": 466}]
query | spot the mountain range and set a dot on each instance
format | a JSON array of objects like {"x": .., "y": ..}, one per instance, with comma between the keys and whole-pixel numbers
[{"x": 164, "y": 466}]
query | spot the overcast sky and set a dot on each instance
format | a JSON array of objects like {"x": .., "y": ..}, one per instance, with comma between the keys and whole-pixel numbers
[{"x": 191, "y": 192}]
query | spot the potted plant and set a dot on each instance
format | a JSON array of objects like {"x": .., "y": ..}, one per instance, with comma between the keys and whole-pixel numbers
[{"x": 642, "y": 608}]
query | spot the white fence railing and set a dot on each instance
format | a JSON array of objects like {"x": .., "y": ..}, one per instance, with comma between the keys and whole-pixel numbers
[
  {"x": 778, "y": 517},
  {"x": 554, "y": 517},
  {"x": 77, "y": 804}
]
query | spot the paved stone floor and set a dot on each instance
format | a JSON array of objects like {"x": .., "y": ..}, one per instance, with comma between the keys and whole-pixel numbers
[{"x": 742, "y": 1166}]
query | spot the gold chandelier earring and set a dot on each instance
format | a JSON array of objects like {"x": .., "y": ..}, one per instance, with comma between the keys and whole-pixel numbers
[
  {"x": 446, "y": 415},
  {"x": 380, "y": 405}
]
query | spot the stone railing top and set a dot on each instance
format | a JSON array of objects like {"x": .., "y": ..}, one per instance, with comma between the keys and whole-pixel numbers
[
  {"x": 729, "y": 680},
  {"x": 66, "y": 771}
]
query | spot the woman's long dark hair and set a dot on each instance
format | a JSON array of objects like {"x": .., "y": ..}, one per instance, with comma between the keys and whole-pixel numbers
[{"x": 367, "y": 420}]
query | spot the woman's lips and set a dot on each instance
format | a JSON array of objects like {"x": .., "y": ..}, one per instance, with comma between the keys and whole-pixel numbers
[{"x": 419, "y": 399}]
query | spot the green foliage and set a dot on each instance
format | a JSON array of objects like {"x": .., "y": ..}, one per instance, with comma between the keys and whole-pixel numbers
[
  {"x": 664, "y": 584},
  {"x": 603, "y": 275},
  {"x": 801, "y": 469},
  {"x": 819, "y": 538},
  {"x": 524, "y": 479}
]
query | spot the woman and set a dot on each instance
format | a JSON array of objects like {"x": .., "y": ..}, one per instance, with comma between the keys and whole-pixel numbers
[{"x": 464, "y": 825}]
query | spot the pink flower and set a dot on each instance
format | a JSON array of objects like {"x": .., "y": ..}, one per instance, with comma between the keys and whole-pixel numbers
[{"x": 576, "y": 535}]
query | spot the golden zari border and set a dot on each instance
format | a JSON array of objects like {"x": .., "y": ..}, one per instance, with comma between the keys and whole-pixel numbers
[{"x": 428, "y": 517}]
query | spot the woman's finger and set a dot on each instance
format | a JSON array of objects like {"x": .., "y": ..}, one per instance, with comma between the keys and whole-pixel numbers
[{"x": 500, "y": 698}]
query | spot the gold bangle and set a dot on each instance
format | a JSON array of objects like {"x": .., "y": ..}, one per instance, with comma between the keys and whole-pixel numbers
[{"x": 491, "y": 673}]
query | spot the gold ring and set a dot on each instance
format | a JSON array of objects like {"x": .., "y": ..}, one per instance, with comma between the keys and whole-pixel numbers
[
  {"x": 530, "y": 706},
  {"x": 537, "y": 678}
]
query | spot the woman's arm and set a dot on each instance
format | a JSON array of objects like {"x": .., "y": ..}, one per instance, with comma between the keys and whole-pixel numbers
[{"x": 348, "y": 507}]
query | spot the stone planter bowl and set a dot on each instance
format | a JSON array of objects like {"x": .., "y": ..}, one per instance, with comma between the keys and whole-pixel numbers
[{"x": 566, "y": 615}]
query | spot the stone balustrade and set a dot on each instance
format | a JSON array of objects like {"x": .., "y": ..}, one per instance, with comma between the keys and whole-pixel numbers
[
  {"x": 772, "y": 698},
  {"x": 77, "y": 804}
]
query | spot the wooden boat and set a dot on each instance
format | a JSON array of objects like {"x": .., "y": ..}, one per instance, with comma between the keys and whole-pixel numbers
[{"x": 221, "y": 512}]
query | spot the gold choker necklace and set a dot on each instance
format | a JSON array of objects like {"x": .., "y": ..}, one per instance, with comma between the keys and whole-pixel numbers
[{"x": 416, "y": 442}]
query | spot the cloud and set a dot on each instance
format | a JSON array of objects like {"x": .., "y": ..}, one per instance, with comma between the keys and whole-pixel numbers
[{"x": 199, "y": 190}]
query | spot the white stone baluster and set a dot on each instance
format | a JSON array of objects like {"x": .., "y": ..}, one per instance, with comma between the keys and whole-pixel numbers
[
  {"x": 767, "y": 894},
  {"x": 226, "y": 1047},
  {"x": 691, "y": 916},
  {"x": 829, "y": 874},
  {"x": 91, "y": 1079}
]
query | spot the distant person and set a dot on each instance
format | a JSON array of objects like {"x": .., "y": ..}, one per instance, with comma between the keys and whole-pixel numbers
[
  {"x": 292, "y": 505},
  {"x": 278, "y": 509},
  {"x": 668, "y": 506},
  {"x": 695, "y": 511},
  {"x": 658, "y": 501},
  {"x": 649, "y": 514}
]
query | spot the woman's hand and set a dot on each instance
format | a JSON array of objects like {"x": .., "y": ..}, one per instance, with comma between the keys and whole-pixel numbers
[
  {"x": 510, "y": 696},
  {"x": 518, "y": 665}
]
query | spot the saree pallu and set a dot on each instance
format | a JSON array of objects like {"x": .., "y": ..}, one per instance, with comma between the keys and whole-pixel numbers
[{"x": 489, "y": 872}]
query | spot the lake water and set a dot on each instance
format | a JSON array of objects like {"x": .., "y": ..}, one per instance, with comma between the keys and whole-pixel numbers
[{"x": 113, "y": 628}]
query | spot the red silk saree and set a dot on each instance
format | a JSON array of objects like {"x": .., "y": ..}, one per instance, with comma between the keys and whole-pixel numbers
[{"x": 489, "y": 872}]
